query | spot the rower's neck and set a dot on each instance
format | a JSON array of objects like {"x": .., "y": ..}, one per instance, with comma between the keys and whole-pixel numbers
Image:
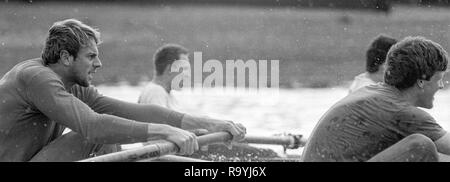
[
  {"x": 377, "y": 76},
  {"x": 63, "y": 74},
  {"x": 410, "y": 95},
  {"x": 163, "y": 81}
]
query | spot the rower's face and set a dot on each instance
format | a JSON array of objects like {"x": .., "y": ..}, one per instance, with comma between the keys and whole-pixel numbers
[
  {"x": 86, "y": 64},
  {"x": 426, "y": 96}
]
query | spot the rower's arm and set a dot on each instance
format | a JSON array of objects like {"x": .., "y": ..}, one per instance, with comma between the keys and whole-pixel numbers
[
  {"x": 443, "y": 147},
  {"x": 443, "y": 144},
  {"x": 148, "y": 113},
  {"x": 156, "y": 114},
  {"x": 444, "y": 158},
  {"x": 46, "y": 93},
  {"x": 151, "y": 113}
]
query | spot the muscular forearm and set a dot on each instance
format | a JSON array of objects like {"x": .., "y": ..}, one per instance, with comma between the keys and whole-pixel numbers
[
  {"x": 111, "y": 130},
  {"x": 152, "y": 114},
  {"x": 108, "y": 129},
  {"x": 158, "y": 131},
  {"x": 191, "y": 122}
]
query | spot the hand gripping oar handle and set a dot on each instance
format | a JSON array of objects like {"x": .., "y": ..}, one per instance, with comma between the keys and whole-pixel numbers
[{"x": 157, "y": 149}]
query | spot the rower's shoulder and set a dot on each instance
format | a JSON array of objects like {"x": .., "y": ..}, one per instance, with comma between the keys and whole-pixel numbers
[
  {"x": 412, "y": 113},
  {"x": 152, "y": 87},
  {"x": 32, "y": 69},
  {"x": 152, "y": 90}
]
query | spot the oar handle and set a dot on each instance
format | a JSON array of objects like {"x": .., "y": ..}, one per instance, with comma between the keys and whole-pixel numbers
[
  {"x": 173, "y": 158},
  {"x": 289, "y": 141},
  {"x": 218, "y": 137},
  {"x": 156, "y": 150}
]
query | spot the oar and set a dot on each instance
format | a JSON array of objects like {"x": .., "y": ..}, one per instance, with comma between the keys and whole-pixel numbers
[
  {"x": 288, "y": 141},
  {"x": 157, "y": 149},
  {"x": 172, "y": 158}
]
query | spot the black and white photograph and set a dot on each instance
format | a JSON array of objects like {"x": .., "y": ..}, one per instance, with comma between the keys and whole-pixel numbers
[{"x": 228, "y": 82}]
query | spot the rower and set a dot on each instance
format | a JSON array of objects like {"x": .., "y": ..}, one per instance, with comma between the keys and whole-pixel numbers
[
  {"x": 42, "y": 96},
  {"x": 382, "y": 122}
]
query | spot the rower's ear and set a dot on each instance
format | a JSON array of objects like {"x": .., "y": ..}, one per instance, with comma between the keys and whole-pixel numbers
[
  {"x": 420, "y": 83},
  {"x": 65, "y": 58}
]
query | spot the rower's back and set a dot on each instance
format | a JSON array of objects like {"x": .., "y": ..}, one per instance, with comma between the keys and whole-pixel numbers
[
  {"x": 365, "y": 123},
  {"x": 23, "y": 128}
]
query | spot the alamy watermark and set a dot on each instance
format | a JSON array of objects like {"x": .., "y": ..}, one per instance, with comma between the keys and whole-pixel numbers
[{"x": 235, "y": 74}]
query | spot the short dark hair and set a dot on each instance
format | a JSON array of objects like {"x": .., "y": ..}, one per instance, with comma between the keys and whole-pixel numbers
[
  {"x": 412, "y": 59},
  {"x": 166, "y": 55},
  {"x": 377, "y": 51},
  {"x": 69, "y": 35}
]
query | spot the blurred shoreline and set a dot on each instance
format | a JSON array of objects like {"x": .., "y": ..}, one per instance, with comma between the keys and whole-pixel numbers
[{"x": 317, "y": 48}]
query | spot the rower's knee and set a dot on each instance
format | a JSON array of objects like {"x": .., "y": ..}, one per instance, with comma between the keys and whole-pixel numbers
[
  {"x": 419, "y": 141},
  {"x": 422, "y": 145}
]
